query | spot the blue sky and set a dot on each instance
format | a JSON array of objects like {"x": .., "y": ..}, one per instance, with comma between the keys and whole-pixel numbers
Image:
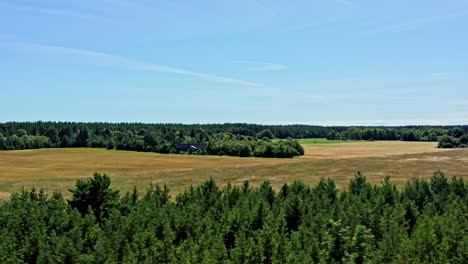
[{"x": 331, "y": 62}]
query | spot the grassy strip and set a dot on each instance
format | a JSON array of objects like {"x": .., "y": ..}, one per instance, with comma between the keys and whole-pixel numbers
[{"x": 325, "y": 141}]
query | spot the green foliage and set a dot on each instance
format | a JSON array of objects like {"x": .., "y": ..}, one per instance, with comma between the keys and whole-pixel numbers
[
  {"x": 21, "y": 132},
  {"x": 456, "y": 132},
  {"x": 83, "y": 137},
  {"x": 455, "y": 139},
  {"x": 464, "y": 139},
  {"x": 167, "y": 138},
  {"x": 94, "y": 195},
  {"x": 266, "y": 133},
  {"x": 353, "y": 133},
  {"x": 445, "y": 142},
  {"x": 244, "y": 146},
  {"x": 53, "y": 135},
  {"x": 332, "y": 135},
  {"x": 425, "y": 222}
]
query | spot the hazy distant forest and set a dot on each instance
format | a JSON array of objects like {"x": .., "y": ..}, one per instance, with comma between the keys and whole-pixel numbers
[
  {"x": 245, "y": 140},
  {"x": 425, "y": 222}
]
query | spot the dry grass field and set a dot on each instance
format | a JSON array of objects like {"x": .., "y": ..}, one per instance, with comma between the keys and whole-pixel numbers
[
  {"x": 58, "y": 169},
  {"x": 367, "y": 149}
]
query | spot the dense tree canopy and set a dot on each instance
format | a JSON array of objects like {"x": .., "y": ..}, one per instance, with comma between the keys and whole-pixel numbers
[
  {"x": 164, "y": 138},
  {"x": 250, "y": 139},
  {"x": 425, "y": 222}
]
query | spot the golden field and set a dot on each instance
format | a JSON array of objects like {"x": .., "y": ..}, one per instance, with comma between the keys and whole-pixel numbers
[{"x": 58, "y": 169}]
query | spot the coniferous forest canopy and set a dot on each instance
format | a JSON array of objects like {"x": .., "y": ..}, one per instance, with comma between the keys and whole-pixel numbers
[
  {"x": 424, "y": 222},
  {"x": 245, "y": 140}
]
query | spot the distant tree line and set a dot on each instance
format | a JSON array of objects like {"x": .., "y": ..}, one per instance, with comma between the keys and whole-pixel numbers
[
  {"x": 389, "y": 133},
  {"x": 425, "y": 222},
  {"x": 456, "y": 138},
  {"x": 141, "y": 137},
  {"x": 222, "y": 139}
]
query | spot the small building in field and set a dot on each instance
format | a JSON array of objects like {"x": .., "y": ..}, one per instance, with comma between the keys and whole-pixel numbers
[{"x": 192, "y": 147}]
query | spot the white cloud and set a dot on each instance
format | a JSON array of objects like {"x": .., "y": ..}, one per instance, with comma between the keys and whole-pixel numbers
[
  {"x": 262, "y": 66},
  {"x": 116, "y": 61},
  {"x": 51, "y": 11}
]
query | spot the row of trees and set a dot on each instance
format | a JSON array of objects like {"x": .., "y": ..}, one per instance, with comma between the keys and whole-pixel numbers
[
  {"x": 423, "y": 133},
  {"x": 245, "y": 146},
  {"x": 425, "y": 222},
  {"x": 24, "y": 142},
  {"x": 221, "y": 139},
  {"x": 405, "y": 134},
  {"x": 143, "y": 140}
]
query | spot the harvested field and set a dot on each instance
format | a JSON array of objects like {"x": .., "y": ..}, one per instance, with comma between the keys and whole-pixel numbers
[
  {"x": 58, "y": 169},
  {"x": 368, "y": 149},
  {"x": 81, "y": 162},
  {"x": 401, "y": 169}
]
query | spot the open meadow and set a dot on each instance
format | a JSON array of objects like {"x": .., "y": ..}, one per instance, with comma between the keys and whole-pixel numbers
[{"x": 58, "y": 169}]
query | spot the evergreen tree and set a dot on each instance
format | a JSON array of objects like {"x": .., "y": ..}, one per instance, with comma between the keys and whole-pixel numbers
[
  {"x": 424, "y": 222},
  {"x": 94, "y": 194}
]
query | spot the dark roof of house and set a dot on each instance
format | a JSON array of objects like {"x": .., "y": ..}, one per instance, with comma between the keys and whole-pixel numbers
[{"x": 185, "y": 147}]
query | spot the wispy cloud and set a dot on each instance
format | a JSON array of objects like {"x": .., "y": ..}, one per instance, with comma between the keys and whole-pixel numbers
[
  {"x": 116, "y": 61},
  {"x": 52, "y": 11},
  {"x": 262, "y": 66},
  {"x": 139, "y": 6},
  {"x": 415, "y": 23}
]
